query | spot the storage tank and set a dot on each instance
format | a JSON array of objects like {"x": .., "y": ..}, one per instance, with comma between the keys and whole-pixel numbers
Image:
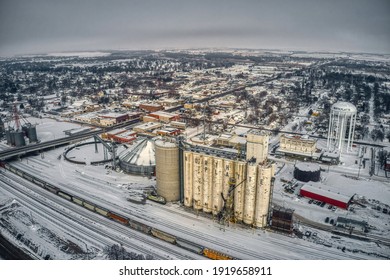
[
  {"x": 342, "y": 122},
  {"x": 250, "y": 194},
  {"x": 207, "y": 184},
  {"x": 188, "y": 185},
  {"x": 32, "y": 134},
  {"x": 197, "y": 182},
  {"x": 167, "y": 170},
  {"x": 8, "y": 137},
  {"x": 139, "y": 159},
  {"x": 19, "y": 138},
  {"x": 263, "y": 194},
  {"x": 239, "y": 191},
  {"x": 2, "y": 129},
  {"x": 305, "y": 172},
  {"x": 217, "y": 183}
]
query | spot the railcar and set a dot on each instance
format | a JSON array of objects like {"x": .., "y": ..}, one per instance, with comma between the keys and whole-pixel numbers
[
  {"x": 64, "y": 195},
  {"x": 156, "y": 198},
  {"x": 140, "y": 227},
  {"x": 77, "y": 200},
  {"x": 89, "y": 206},
  {"x": 38, "y": 182},
  {"x": 118, "y": 218},
  {"x": 163, "y": 236},
  {"x": 190, "y": 246},
  {"x": 215, "y": 255},
  {"x": 13, "y": 169},
  {"x": 101, "y": 211},
  {"x": 51, "y": 188},
  {"x": 28, "y": 177}
]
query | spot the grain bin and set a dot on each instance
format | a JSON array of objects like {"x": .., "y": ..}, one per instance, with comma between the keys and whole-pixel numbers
[
  {"x": 207, "y": 184},
  {"x": 263, "y": 194},
  {"x": 307, "y": 171},
  {"x": 139, "y": 159},
  {"x": 167, "y": 170},
  {"x": 19, "y": 138},
  {"x": 239, "y": 191},
  {"x": 198, "y": 182},
  {"x": 217, "y": 183},
  {"x": 9, "y": 138},
  {"x": 188, "y": 184},
  {"x": 32, "y": 134},
  {"x": 250, "y": 194}
]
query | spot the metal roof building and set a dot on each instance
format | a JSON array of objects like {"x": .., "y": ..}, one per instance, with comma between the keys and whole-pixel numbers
[
  {"x": 326, "y": 194},
  {"x": 139, "y": 159}
]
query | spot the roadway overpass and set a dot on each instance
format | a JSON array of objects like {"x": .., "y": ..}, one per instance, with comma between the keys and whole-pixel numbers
[{"x": 19, "y": 151}]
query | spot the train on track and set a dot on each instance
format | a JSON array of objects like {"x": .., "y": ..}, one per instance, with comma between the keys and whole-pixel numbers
[{"x": 138, "y": 226}]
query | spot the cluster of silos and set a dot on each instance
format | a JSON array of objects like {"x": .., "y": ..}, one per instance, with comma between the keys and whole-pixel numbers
[
  {"x": 206, "y": 185},
  {"x": 206, "y": 179},
  {"x": 252, "y": 198},
  {"x": 167, "y": 170},
  {"x": 15, "y": 137}
]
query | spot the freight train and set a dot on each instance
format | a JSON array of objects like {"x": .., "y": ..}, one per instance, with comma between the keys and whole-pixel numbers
[{"x": 185, "y": 244}]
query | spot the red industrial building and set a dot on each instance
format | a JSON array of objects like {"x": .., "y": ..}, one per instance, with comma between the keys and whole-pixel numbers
[
  {"x": 326, "y": 194},
  {"x": 151, "y": 107},
  {"x": 125, "y": 137},
  {"x": 164, "y": 116}
]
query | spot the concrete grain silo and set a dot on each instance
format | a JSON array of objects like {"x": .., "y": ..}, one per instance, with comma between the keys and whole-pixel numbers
[
  {"x": 18, "y": 138},
  {"x": 32, "y": 134},
  {"x": 218, "y": 185},
  {"x": 239, "y": 191},
  {"x": 8, "y": 137},
  {"x": 207, "y": 184},
  {"x": 197, "y": 182},
  {"x": 250, "y": 194},
  {"x": 228, "y": 172},
  {"x": 188, "y": 178},
  {"x": 167, "y": 170},
  {"x": 263, "y": 193}
]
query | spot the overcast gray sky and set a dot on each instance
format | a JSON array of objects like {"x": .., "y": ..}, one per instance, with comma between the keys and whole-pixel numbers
[{"x": 39, "y": 26}]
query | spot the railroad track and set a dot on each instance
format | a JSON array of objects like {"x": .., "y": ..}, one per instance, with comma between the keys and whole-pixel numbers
[
  {"x": 95, "y": 223},
  {"x": 171, "y": 226}
]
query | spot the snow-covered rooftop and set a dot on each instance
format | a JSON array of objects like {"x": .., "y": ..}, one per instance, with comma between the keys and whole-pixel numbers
[{"x": 327, "y": 191}]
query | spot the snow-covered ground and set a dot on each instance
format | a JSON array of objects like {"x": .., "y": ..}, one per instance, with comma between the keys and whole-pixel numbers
[{"x": 111, "y": 189}]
